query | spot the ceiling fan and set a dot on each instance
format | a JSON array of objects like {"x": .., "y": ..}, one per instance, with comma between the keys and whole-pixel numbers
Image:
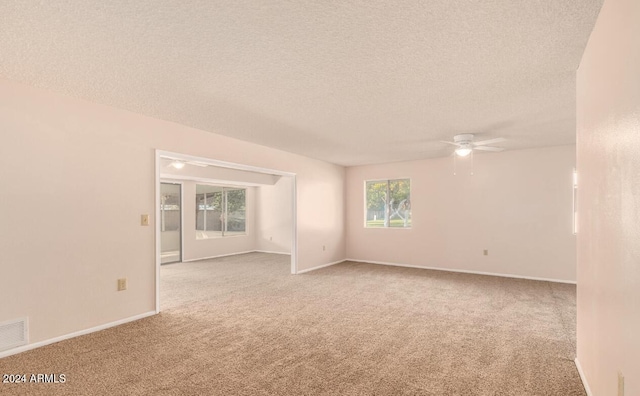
[{"x": 465, "y": 144}]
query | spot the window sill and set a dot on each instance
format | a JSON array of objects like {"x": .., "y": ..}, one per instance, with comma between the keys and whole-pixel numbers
[{"x": 207, "y": 237}]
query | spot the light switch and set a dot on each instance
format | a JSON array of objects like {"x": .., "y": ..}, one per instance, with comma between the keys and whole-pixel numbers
[{"x": 144, "y": 220}]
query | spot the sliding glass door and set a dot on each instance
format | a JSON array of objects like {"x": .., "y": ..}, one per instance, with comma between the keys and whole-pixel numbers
[{"x": 170, "y": 227}]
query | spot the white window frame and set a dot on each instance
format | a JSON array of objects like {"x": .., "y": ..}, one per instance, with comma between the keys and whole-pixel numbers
[
  {"x": 365, "y": 202},
  {"x": 224, "y": 224}
]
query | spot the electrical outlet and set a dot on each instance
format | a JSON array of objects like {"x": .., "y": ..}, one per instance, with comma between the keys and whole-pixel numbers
[
  {"x": 620, "y": 384},
  {"x": 122, "y": 284},
  {"x": 271, "y": 238},
  {"x": 144, "y": 220},
  {"x": 486, "y": 252},
  {"x": 324, "y": 248}
]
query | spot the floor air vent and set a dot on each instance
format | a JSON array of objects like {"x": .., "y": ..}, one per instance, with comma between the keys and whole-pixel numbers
[{"x": 13, "y": 333}]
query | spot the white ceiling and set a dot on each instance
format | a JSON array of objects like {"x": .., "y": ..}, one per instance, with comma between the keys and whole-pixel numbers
[{"x": 350, "y": 82}]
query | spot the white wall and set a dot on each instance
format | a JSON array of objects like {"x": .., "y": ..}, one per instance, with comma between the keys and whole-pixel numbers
[
  {"x": 608, "y": 119},
  {"x": 273, "y": 217},
  {"x": 517, "y": 204},
  {"x": 96, "y": 164}
]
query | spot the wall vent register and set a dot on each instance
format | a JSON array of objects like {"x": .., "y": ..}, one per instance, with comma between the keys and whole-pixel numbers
[{"x": 13, "y": 333}]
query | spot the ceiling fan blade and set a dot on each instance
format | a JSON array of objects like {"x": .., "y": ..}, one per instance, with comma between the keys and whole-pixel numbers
[
  {"x": 488, "y": 148},
  {"x": 489, "y": 141},
  {"x": 454, "y": 143}
]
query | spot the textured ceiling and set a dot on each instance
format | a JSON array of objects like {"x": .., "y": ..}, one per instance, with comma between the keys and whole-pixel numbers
[{"x": 350, "y": 82}]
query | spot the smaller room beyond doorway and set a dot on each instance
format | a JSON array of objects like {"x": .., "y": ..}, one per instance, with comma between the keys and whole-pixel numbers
[{"x": 209, "y": 208}]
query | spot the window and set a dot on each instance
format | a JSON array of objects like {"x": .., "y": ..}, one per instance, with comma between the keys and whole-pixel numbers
[
  {"x": 388, "y": 203},
  {"x": 220, "y": 211}
]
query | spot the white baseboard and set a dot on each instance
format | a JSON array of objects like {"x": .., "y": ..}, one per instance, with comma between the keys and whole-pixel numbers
[
  {"x": 220, "y": 255},
  {"x": 464, "y": 271},
  {"x": 319, "y": 266},
  {"x": 268, "y": 251},
  {"x": 582, "y": 377},
  {"x": 39, "y": 344}
]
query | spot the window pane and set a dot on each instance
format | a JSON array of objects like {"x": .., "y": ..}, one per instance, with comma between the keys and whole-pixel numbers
[
  {"x": 388, "y": 203},
  {"x": 209, "y": 206},
  {"x": 236, "y": 210},
  {"x": 214, "y": 211},
  {"x": 199, "y": 212},
  {"x": 170, "y": 207},
  {"x": 376, "y": 192},
  {"x": 400, "y": 205}
]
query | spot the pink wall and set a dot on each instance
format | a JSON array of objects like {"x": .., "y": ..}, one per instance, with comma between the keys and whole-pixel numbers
[
  {"x": 518, "y": 205},
  {"x": 96, "y": 165},
  {"x": 608, "y": 150},
  {"x": 273, "y": 217}
]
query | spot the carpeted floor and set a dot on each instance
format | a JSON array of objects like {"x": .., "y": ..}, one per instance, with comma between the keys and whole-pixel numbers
[{"x": 243, "y": 326}]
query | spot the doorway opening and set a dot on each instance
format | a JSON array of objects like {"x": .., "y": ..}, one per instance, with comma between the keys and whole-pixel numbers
[{"x": 225, "y": 209}]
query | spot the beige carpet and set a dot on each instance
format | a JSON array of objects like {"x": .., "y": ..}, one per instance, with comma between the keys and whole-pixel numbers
[{"x": 243, "y": 326}]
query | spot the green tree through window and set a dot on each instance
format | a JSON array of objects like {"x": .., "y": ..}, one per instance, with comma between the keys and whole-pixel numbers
[
  {"x": 220, "y": 211},
  {"x": 388, "y": 203}
]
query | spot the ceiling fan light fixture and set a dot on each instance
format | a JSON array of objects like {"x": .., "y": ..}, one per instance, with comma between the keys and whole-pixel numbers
[
  {"x": 177, "y": 164},
  {"x": 463, "y": 151}
]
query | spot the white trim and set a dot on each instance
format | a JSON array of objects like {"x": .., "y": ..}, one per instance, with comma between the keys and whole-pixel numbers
[
  {"x": 583, "y": 378},
  {"x": 74, "y": 334},
  {"x": 294, "y": 225},
  {"x": 181, "y": 221},
  {"x": 271, "y": 252},
  {"x": 220, "y": 255},
  {"x": 320, "y": 266},
  {"x": 221, "y": 164},
  {"x": 387, "y": 228},
  {"x": 221, "y": 237},
  {"x": 574, "y": 220},
  {"x": 217, "y": 182},
  {"x": 158, "y": 231},
  {"x": 387, "y": 179},
  {"x": 464, "y": 271}
]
